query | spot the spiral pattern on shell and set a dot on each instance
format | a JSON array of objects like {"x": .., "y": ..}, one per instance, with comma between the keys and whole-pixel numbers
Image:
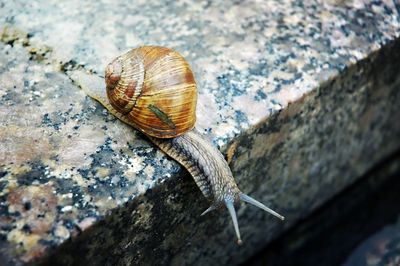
[{"x": 154, "y": 90}]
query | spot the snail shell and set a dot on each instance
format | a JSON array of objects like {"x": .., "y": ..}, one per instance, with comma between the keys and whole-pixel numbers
[{"x": 153, "y": 88}]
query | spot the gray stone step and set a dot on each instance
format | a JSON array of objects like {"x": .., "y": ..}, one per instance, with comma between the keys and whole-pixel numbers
[{"x": 301, "y": 96}]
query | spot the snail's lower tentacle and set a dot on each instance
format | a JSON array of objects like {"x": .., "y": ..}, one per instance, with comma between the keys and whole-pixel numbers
[
  {"x": 211, "y": 208},
  {"x": 232, "y": 212}
]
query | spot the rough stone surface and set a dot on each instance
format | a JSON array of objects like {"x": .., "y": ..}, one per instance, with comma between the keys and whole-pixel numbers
[{"x": 302, "y": 96}]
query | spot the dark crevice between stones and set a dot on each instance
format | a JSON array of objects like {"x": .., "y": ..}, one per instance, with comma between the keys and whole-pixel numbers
[{"x": 331, "y": 232}]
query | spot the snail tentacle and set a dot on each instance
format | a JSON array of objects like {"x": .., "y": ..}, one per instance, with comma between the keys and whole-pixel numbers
[
  {"x": 258, "y": 204},
  {"x": 209, "y": 209},
  {"x": 232, "y": 212}
]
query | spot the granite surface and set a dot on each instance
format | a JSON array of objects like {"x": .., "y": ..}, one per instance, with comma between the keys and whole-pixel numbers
[{"x": 301, "y": 96}]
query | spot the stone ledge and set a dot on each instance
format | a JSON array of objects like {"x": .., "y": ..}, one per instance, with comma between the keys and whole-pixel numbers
[{"x": 303, "y": 111}]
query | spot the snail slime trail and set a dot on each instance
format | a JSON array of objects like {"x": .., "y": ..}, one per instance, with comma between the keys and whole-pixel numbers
[{"x": 153, "y": 89}]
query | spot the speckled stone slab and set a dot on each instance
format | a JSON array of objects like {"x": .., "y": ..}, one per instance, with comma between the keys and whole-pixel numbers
[{"x": 302, "y": 97}]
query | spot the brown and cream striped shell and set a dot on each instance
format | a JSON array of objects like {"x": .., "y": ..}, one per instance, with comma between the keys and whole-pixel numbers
[{"x": 153, "y": 89}]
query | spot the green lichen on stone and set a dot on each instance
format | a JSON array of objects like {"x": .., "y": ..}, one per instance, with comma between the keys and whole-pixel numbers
[
  {"x": 39, "y": 54},
  {"x": 10, "y": 35}
]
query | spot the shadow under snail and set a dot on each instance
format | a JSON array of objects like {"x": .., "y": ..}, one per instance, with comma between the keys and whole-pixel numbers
[{"x": 153, "y": 89}]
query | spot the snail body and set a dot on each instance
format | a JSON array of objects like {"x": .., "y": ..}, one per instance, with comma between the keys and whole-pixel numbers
[{"x": 153, "y": 89}]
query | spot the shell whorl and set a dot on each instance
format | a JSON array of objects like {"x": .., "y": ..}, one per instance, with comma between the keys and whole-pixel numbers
[{"x": 124, "y": 81}]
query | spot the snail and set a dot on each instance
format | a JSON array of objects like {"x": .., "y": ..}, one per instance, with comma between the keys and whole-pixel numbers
[{"x": 153, "y": 89}]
